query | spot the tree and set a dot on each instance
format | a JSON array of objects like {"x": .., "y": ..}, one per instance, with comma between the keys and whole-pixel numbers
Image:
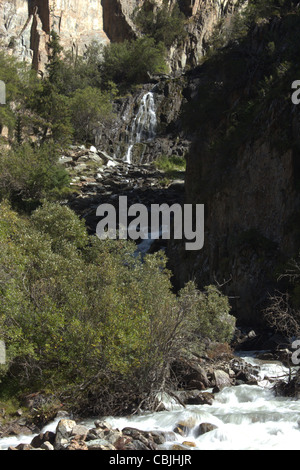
[
  {"x": 129, "y": 63},
  {"x": 90, "y": 108},
  {"x": 28, "y": 174},
  {"x": 165, "y": 24},
  {"x": 55, "y": 60}
]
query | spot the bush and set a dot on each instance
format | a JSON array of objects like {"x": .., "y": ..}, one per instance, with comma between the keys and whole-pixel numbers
[
  {"x": 90, "y": 108},
  {"x": 164, "y": 24},
  {"x": 29, "y": 174},
  {"x": 129, "y": 63},
  {"x": 90, "y": 319}
]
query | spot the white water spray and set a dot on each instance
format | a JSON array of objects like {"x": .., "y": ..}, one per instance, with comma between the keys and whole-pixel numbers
[{"x": 144, "y": 124}]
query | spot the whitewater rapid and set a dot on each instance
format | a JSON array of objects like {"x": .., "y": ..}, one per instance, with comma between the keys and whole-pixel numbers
[{"x": 247, "y": 417}]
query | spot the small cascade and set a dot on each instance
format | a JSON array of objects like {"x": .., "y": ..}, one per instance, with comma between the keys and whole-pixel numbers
[{"x": 144, "y": 124}]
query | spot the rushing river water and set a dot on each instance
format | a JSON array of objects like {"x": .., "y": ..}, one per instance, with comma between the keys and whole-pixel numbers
[{"x": 248, "y": 417}]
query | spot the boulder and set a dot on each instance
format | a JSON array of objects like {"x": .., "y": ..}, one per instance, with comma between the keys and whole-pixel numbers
[
  {"x": 41, "y": 438},
  {"x": 203, "y": 428},
  {"x": 184, "y": 428},
  {"x": 63, "y": 433},
  {"x": 99, "y": 444},
  {"x": 199, "y": 398},
  {"x": 142, "y": 440},
  {"x": 77, "y": 445},
  {"x": 221, "y": 379},
  {"x": 47, "y": 446},
  {"x": 79, "y": 432}
]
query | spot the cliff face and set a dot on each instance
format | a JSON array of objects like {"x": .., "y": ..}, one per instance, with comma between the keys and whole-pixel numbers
[
  {"x": 202, "y": 17},
  {"x": 25, "y": 25},
  {"x": 243, "y": 165}
]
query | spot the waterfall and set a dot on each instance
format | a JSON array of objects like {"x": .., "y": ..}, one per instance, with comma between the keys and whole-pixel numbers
[{"x": 143, "y": 127}]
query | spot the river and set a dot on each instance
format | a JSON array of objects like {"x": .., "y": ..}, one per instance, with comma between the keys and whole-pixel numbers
[{"x": 248, "y": 417}]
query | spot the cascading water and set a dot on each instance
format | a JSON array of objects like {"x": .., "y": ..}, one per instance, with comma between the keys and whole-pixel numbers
[
  {"x": 144, "y": 124},
  {"x": 247, "y": 417}
]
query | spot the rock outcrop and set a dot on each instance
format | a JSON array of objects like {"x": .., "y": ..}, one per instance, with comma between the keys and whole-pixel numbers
[
  {"x": 25, "y": 26},
  {"x": 243, "y": 166}
]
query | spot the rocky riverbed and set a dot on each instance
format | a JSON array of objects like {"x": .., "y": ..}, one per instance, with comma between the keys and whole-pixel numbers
[
  {"x": 97, "y": 178},
  {"x": 201, "y": 380},
  {"x": 208, "y": 374}
]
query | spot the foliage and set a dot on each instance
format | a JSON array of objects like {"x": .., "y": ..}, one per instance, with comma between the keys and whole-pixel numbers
[
  {"x": 76, "y": 72},
  {"x": 29, "y": 174},
  {"x": 173, "y": 163},
  {"x": 283, "y": 312},
  {"x": 164, "y": 24},
  {"x": 18, "y": 80},
  {"x": 90, "y": 108},
  {"x": 86, "y": 316},
  {"x": 129, "y": 62}
]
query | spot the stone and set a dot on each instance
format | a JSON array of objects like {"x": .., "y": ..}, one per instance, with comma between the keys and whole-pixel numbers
[
  {"x": 77, "y": 445},
  {"x": 222, "y": 379},
  {"x": 189, "y": 443},
  {"x": 203, "y": 428},
  {"x": 142, "y": 440},
  {"x": 63, "y": 433},
  {"x": 200, "y": 398},
  {"x": 79, "y": 431},
  {"x": 185, "y": 427},
  {"x": 39, "y": 439},
  {"x": 47, "y": 446},
  {"x": 123, "y": 443},
  {"x": 100, "y": 444},
  {"x": 64, "y": 160}
]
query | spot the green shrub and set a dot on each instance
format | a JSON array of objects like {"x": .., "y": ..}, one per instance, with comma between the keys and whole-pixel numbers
[
  {"x": 88, "y": 318},
  {"x": 90, "y": 108},
  {"x": 129, "y": 62},
  {"x": 29, "y": 174},
  {"x": 164, "y": 24}
]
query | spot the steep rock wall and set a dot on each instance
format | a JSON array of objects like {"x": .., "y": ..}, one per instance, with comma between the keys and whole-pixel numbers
[
  {"x": 243, "y": 165},
  {"x": 25, "y": 26}
]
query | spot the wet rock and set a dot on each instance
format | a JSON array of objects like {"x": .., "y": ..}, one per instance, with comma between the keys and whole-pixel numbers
[
  {"x": 144, "y": 438},
  {"x": 189, "y": 444},
  {"x": 123, "y": 443},
  {"x": 105, "y": 431},
  {"x": 47, "y": 446},
  {"x": 190, "y": 373},
  {"x": 203, "y": 428},
  {"x": 221, "y": 379},
  {"x": 21, "y": 447},
  {"x": 184, "y": 428},
  {"x": 38, "y": 440}
]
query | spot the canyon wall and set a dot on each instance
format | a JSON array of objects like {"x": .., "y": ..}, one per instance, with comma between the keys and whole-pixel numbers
[{"x": 25, "y": 26}]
